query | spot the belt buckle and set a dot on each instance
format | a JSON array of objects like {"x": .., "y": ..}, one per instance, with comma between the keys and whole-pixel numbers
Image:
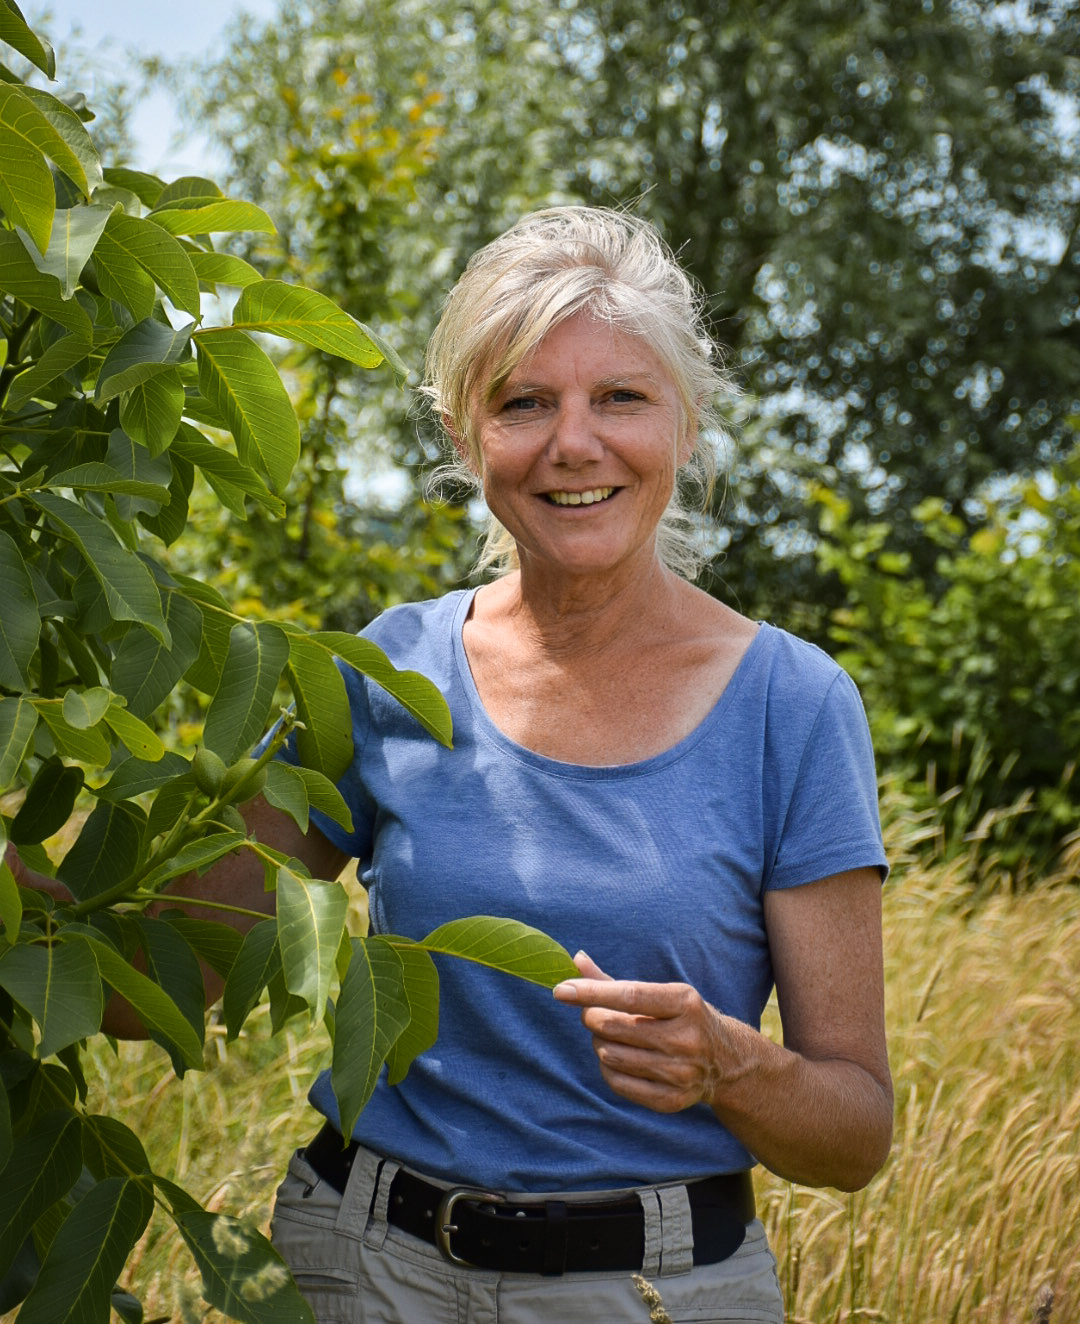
[{"x": 443, "y": 1226}]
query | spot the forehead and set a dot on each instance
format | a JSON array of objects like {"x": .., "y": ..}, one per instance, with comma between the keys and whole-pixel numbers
[{"x": 583, "y": 347}]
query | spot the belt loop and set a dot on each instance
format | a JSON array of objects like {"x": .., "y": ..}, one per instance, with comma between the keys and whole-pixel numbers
[
  {"x": 677, "y": 1253},
  {"x": 352, "y": 1215},
  {"x": 555, "y": 1238},
  {"x": 375, "y": 1234},
  {"x": 650, "y": 1204}
]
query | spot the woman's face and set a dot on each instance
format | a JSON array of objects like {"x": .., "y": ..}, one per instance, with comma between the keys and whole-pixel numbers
[{"x": 579, "y": 450}]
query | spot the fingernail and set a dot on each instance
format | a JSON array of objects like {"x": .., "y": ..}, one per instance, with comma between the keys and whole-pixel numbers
[{"x": 567, "y": 991}]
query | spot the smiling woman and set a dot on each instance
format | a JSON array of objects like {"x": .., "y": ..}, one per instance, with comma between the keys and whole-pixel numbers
[{"x": 655, "y": 780}]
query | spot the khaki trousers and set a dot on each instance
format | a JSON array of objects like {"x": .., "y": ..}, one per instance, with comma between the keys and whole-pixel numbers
[{"x": 354, "y": 1268}]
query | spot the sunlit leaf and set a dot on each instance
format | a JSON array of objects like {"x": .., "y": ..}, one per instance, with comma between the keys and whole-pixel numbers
[
  {"x": 505, "y": 944},
  {"x": 213, "y": 217},
  {"x": 19, "y": 277},
  {"x": 242, "y": 1274},
  {"x": 14, "y": 30},
  {"x": 82, "y": 154},
  {"x": 243, "y": 385},
  {"x": 223, "y": 269},
  {"x": 218, "y": 465},
  {"x": 414, "y": 692},
  {"x": 83, "y": 744},
  {"x": 147, "y": 188},
  {"x": 305, "y": 315},
  {"x": 311, "y": 918},
  {"x": 139, "y": 738},
  {"x": 11, "y": 913},
  {"x": 75, "y": 231},
  {"x": 324, "y": 740},
  {"x": 421, "y": 984},
  {"x": 238, "y": 712},
  {"x": 85, "y": 708},
  {"x": 134, "y": 240},
  {"x": 373, "y": 1010}
]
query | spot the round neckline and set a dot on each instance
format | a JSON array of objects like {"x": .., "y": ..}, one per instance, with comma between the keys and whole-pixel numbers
[{"x": 486, "y": 728}]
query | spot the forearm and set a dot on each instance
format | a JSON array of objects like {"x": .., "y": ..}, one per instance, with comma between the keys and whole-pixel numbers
[{"x": 825, "y": 1122}]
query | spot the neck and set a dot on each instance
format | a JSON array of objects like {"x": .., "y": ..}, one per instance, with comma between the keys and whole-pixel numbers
[{"x": 571, "y": 614}]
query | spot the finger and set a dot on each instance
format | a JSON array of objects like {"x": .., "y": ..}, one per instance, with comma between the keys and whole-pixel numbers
[
  {"x": 628, "y": 996},
  {"x": 568, "y": 990},
  {"x": 588, "y": 967}
]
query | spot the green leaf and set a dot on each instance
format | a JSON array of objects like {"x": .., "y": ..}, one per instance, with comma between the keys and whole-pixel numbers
[
  {"x": 26, "y": 186},
  {"x": 242, "y": 1275},
  {"x": 414, "y": 692},
  {"x": 421, "y": 984},
  {"x": 238, "y": 712},
  {"x": 97, "y": 477},
  {"x": 11, "y": 913},
  {"x": 82, "y": 745},
  {"x": 14, "y": 31},
  {"x": 197, "y": 855},
  {"x": 24, "y": 128},
  {"x": 88, "y": 1253},
  {"x": 75, "y": 232},
  {"x": 186, "y": 189},
  {"x": 6, "y": 1139},
  {"x": 213, "y": 217},
  {"x": 305, "y": 315},
  {"x": 61, "y": 356},
  {"x": 144, "y": 670},
  {"x": 222, "y": 269},
  {"x": 85, "y": 708},
  {"x": 83, "y": 165},
  {"x": 505, "y": 944},
  {"x": 48, "y": 804},
  {"x": 324, "y": 741},
  {"x": 20, "y": 624},
  {"x": 140, "y": 739},
  {"x": 147, "y": 188},
  {"x": 218, "y": 466},
  {"x": 46, "y": 1163},
  {"x": 59, "y": 986},
  {"x": 129, "y": 587},
  {"x": 243, "y": 385},
  {"x": 19, "y": 277},
  {"x": 110, "y": 1149},
  {"x": 171, "y": 962},
  {"x": 157, "y": 1011},
  {"x": 150, "y": 412},
  {"x": 141, "y": 353},
  {"x": 311, "y": 920},
  {"x": 135, "y": 777},
  {"x": 373, "y": 1010},
  {"x": 119, "y": 277},
  {"x": 18, "y": 720},
  {"x": 258, "y": 960},
  {"x": 296, "y": 790},
  {"x": 106, "y": 851},
  {"x": 134, "y": 240},
  {"x": 215, "y": 943}
]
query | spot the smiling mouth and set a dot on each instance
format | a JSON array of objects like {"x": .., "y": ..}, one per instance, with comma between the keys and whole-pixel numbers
[{"x": 589, "y": 498}]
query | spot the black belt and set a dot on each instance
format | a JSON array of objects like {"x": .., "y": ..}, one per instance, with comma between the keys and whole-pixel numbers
[{"x": 551, "y": 1236}]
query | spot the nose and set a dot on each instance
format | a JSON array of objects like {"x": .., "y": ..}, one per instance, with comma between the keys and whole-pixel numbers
[{"x": 574, "y": 439}]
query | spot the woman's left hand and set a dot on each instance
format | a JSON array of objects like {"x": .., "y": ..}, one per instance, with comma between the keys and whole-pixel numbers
[{"x": 660, "y": 1045}]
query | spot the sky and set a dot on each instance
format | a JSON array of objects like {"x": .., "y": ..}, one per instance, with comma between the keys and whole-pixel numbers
[{"x": 112, "y": 29}]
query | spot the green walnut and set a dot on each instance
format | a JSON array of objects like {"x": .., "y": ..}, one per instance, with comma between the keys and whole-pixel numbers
[
  {"x": 245, "y": 775},
  {"x": 209, "y": 771}
]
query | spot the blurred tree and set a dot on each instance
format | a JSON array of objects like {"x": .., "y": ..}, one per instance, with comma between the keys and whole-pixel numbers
[{"x": 881, "y": 203}]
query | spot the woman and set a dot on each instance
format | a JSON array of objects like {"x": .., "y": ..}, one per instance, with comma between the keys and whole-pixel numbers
[{"x": 681, "y": 795}]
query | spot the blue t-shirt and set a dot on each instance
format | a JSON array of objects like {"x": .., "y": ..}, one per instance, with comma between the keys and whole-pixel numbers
[{"x": 656, "y": 869}]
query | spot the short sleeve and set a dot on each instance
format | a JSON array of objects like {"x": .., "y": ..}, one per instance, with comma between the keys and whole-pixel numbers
[{"x": 831, "y": 821}]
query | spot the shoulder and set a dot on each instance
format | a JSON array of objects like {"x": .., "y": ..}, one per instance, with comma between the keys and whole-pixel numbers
[{"x": 413, "y": 629}]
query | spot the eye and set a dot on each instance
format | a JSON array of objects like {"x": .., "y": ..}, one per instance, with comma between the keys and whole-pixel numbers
[
  {"x": 624, "y": 396},
  {"x": 521, "y": 404}
]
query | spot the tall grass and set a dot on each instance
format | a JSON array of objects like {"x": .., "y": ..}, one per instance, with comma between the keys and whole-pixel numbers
[{"x": 976, "y": 1216}]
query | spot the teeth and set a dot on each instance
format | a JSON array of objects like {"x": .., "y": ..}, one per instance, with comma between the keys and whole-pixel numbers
[{"x": 581, "y": 498}]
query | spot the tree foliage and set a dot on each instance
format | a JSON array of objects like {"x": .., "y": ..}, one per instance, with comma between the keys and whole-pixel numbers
[
  {"x": 880, "y": 202},
  {"x": 117, "y": 391}
]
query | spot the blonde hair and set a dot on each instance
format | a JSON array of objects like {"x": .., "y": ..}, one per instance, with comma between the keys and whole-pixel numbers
[{"x": 548, "y": 267}]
